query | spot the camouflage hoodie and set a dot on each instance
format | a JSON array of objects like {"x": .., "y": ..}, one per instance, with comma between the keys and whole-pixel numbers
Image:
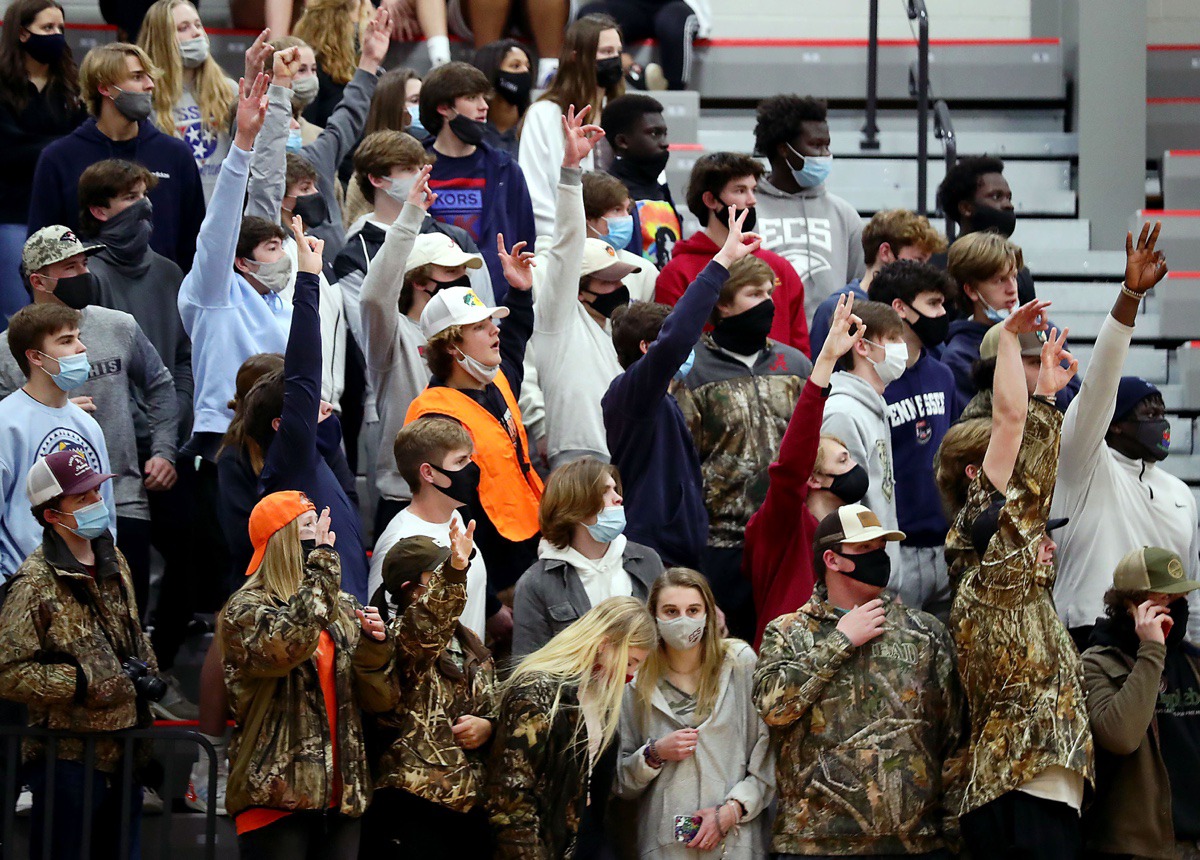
[
  {"x": 443, "y": 672},
  {"x": 281, "y": 755},
  {"x": 63, "y": 635},
  {"x": 862, "y": 735}
]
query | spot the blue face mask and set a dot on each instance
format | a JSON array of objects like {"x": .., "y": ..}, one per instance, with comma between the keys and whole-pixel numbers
[
  {"x": 996, "y": 316},
  {"x": 414, "y": 122},
  {"x": 686, "y": 367},
  {"x": 90, "y": 522},
  {"x": 816, "y": 169},
  {"x": 620, "y": 231},
  {"x": 609, "y": 524},
  {"x": 73, "y": 370},
  {"x": 294, "y": 142}
]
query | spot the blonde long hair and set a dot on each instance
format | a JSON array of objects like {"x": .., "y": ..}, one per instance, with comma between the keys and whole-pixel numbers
[
  {"x": 713, "y": 652},
  {"x": 574, "y": 655},
  {"x": 331, "y": 29},
  {"x": 282, "y": 569},
  {"x": 214, "y": 92}
]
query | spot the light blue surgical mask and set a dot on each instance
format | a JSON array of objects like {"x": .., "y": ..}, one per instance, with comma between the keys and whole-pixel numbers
[
  {"x": 414, "y": 122},
  {"x": 90, "y": 522},
  {"x": 686, "y": 367},
  {"x": 610, "y": 523},
  {"x": 73, "y": 370},
  {"x": 294, "y": 142},
  {"x": 816, "y": 169},
  {"x": 620, "y": 231},
  {"x": 994, "y": 314}
]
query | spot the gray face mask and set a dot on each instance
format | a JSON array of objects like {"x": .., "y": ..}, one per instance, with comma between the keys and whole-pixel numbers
[
  {"x": 135, "y": 107},
  {"x": 194, "y": 52},
  {"x": 400, "y": 187},
  {"x": 275, "y": 276},
  {"x": 304, "y": 90}
]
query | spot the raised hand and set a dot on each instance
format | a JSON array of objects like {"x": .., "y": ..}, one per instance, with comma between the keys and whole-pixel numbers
[
  {"x": 461, "y": 544},
  {"x": 840, "y": 341},
  {"x": 257, "y": 55},
  {"x": 420, "y": 193},
  {"x": 1053, "y": 377},
  {"x": 308, "y": 249},
  {"x": 285, "y": 65},
  {"x": 375, "y": 40},
  {"x": 372, "y": 623},
  {"x": 325, "y": 535},
  {"x": 251, "y": 110},
  {"x": 863, "y": 623},
  {"x": 518, "y": 266},
  {"x": 734, "y": 249},
  {"x": 1028, "y": 317},
  {"x": 1151, "y": 622},
  {"x": 1144, "y": 266},
  {"x": 578, "y": 139}
]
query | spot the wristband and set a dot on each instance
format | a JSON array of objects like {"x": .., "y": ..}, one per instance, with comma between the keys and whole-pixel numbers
[
  {"x": 1137, "y": 297},
  {"x": 650, "y": 754}
]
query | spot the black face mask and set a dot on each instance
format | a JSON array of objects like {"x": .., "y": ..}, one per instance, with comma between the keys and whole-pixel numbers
[
  {"x": 464, "y": 484},
  {"x": 312, "y": 209},
  {"x": 1002, "y": 221},
  {"x": 747, "y": 226},
  {"x": 1151, "y": 438},
  {"x": 851, "y": 486},
  {"x": 608, "y": 72},
  {"x": 514, "y": 87},
  {"x": 45, "y": 48},
  {"x": 76, "y": 292},
  {"x": 1179, "y": 617},
  {"x": 307, "y": 545},
  {"x": 462, "y": 280},
  {"x": 986, "y": 525},
  {"x": 468, "y": 131},
  {"x": 870, "y": 568},
  {"x": 931, "y": 330},
  {"x": 606, "y": 303},
  {"x": 648, "y": 168},
  {"x": 746, "y": 333},
  {"x": 126, "y": 235}
]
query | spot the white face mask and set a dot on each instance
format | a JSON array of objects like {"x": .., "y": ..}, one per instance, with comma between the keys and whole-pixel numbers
[
  {"x": 194, "y": 52},
  {"x": 894, "y": 363},
  {"x": 478, "y": 369},
  {"x": 682, "y": 633},
  {"x": 275, "y": 276}
]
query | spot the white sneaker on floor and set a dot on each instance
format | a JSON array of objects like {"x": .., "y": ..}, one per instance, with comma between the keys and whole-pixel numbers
[
  {"x": 174, "y": 705},
  {"x": 152, "y": 802},
  {"x": 197, "y": 791},
  {"x": 24, "y": 802},
  {"x": 655, "y": 78}
]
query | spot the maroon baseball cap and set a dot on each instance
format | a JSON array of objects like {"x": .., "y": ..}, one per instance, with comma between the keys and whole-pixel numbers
[{"x": 63, "y": 473}]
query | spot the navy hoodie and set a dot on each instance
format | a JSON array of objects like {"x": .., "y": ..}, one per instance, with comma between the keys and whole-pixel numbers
[
  {"x": 962, "y": 351},
  {"x": 178, "y": 198},
  {"x": 649, "y": 439}
]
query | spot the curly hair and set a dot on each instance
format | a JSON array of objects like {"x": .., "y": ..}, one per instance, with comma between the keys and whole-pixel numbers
[
  {"x": 778, "y": 120},
  {"x": 330, "y": 28},
  {"x": 962, "y": 182},
  {"x": 907, "y": 279},
  {"x": 621, "y": 114},
  {"x": 712, "y": 173},
  {"x": 900, "y": 228}
]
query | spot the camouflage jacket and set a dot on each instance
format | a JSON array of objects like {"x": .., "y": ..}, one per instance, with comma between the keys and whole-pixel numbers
[
  {"x": 737, "y": 416},
  {"x": 63, "y": 635},
  {"x": 1021, "y": 674},
  {"x": 443, "y": 672},
  {"x": 537, "y": 771},
  {"x": 864, "y": 737},
  {"x": 281, "y": 755}
]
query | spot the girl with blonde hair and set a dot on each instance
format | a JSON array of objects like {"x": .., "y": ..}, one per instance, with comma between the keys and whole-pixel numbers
[
  {"x": 334, "y": 29},
  {"x": 193, "y": 98},
  {"x": 558, "y": 713},
  {"x": 692, "y": 742}
]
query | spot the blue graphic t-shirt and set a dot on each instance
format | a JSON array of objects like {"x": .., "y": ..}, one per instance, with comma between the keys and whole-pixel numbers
[
  {"x": 209, "y": 145},
  {"x": 459, "y": 183}
]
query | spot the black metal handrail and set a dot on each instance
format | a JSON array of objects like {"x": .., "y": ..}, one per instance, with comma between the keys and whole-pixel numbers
[
  {"x": 943, "y": 128},
  {"x": 917, "y": 12},
  {"x": 870, "y": 129}
]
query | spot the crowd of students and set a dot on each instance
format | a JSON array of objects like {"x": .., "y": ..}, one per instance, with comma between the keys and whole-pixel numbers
[{"x": 785, "y": 537}]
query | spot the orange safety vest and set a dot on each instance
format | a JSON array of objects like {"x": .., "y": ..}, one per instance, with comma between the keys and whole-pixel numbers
[{"x": 509, "y": 488}]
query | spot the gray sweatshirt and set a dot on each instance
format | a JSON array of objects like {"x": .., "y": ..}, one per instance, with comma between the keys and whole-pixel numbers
[
  {"x": 819, "y": 233},
  {"x": 125, "y": 365}
]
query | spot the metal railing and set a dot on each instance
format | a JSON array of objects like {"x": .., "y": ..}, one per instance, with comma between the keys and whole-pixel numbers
[
  {"x": 11, "y": 736},
  {"x": 943, "y": 128},
  {"x": 917, "y": 12},
  {"x": 870, "y": 129}
]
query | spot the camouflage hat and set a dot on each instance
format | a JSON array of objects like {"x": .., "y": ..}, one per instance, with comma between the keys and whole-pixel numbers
[
  {"x": 1152, "y": 568},
  {"x": 408, "y": 559},
  {"x": 1031, "y": 342},
  {"x": 52, "y": 245}
]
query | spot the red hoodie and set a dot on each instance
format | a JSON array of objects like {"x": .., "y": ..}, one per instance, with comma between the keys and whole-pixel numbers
[
  {"x": 778, "y": 559},
  {"x": 692, "y": 255}
]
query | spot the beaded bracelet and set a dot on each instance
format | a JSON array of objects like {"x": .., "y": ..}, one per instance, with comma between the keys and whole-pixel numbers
[
  {"x": 650, "y": 754},
  {"x": 1137, "y": 297}
]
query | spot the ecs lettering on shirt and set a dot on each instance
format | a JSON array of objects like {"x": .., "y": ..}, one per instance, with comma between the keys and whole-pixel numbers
[{"x": 806, "y": 243}]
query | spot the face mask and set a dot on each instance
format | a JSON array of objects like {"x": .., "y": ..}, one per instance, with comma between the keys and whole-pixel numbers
[
  {"x": 870, "y": 568},
  {"x": 312, "y": 210},
  {"x": 45, "y": 48},
  {"x": 610, "y": 523},
  {"x": 304, "y": 90},
  {"x": 1002, "y": 221},
  {"x": 606, "y": 304},
  {"x": 1154, "y": 438},
  {"x": 135, "y": 107},
  {"x": 648, "y": 168},
  {"x": 985, "y": 526},
  {"x": 468, "y": 131},
  {"x": 295, "y": 141},
  {"x": 73, "y": 370},
  {"x": 816, "y": 169},
  {"x": 686, "y": 367},
  {"x": 620, "y": 231},
  {"x": 90, "y": 522},
  {"x": 608, "y": 72},
  {"x": 682, "y": 633},
  {"x": 514, "y": 87},
  {"x": 194, "y": 52},
  {"x": 464, "y": 484},
  {"x": 851, "y": 486},
  {"x": 414, "y": 122},
  {"x": 400, "y": 187},
  {"x": 275, "y": 276},
  {"x": 747, "y": 226},
  {"x": 931, "y": 330},
  {"x": 463, "y": 280},
  {"x": 307, "y": 545},
  {"x": 126, "y": 235},
  {"x": 477, "y": 369},
  {"x": 77, "y": 291},
  {"x": 1179, "y": 615},
  {"x": 895, "y": 361},
  {"x": 746, "y": 333},
  {"x": 993, "y": 314}
]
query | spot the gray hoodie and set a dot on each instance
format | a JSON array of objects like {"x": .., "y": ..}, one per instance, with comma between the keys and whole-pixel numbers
[{"x": 819, "y": 233}]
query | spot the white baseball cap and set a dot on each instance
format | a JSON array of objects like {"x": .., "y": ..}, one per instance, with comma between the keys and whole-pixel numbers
[
  {"x": 456, "y": 306},
  {"x": 441, "y": 250},
  {"x": 852, "y": 524},
  {"x": 601, "y": 261}
]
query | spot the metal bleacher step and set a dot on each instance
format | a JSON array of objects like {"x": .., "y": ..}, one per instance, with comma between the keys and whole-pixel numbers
[{"x": 1068, "y": 264}]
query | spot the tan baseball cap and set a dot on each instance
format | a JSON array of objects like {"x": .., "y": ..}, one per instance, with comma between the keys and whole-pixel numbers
[
  {"x": 601, "y": 261},
  {"x": 852, "y": 524},
  {"x": 1031, "y": 342},
  {"x": 441, "y": 250},
  {"x": 1152, "y": 568}
]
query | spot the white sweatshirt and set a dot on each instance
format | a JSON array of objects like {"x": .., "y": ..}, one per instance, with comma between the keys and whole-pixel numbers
[
  {"x": 540, "y": 157},
  {"x": 1115, "y": 504}
]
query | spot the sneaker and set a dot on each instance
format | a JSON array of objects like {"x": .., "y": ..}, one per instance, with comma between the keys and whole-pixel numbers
[
  {"x": 174, "y": 705},
  {"x": 635, "y": 78},
  {"x": 655, "y": 79},
  {"x": 24, "y": 802},
  {"x": 152, "y": 802},
  {"x": 196, "y": 796}
]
